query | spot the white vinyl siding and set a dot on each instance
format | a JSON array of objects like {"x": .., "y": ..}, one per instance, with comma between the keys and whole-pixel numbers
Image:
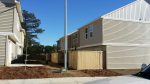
[
  {"x": 127, "y": 57},
  {"x": 138, "y": 10},
  {"x": 6, "y": 17},
  {"x": 2, "y": 50},
  {"x": 117, "y": 31}
]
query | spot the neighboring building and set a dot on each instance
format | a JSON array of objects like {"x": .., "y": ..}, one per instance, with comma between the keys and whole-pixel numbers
[
  {"x": 123, "y": 35},
  {"x": 11, "y": 32}
]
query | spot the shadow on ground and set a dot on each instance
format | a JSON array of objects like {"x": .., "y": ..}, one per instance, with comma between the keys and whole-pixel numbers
[{"x": 32, "y": 59}]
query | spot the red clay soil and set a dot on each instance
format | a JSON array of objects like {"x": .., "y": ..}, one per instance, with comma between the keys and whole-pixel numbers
[
  {"x": 29, "y": 73},
  {"x": 45, "y": 72}
]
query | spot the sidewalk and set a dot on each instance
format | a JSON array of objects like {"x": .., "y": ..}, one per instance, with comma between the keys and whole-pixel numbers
[
  {"x": 73, "y": 80},
  {"x": 28, "y": 65}
]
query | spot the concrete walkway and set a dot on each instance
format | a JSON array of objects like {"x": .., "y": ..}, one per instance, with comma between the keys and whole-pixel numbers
[
  {"x": 28, "y": 65},
  {"x": 72, "y": 80}
]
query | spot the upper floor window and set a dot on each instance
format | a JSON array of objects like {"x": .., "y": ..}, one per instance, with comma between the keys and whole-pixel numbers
[
  {"x": 86, "y": 33},
  {"x": 89, "y": 32},
  {"x": 75, "y": 39}
]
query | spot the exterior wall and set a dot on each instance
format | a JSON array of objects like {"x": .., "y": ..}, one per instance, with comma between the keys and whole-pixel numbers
[
  {"x": 61, "y": 43},
  {"x": 14, "y": 49},
  {"x": 2, "y": 50},
  {"x": 69, "y": 43},
  {"x": 22, "y": 38},
  {"x": 10, "y": 26},
  {"x": 127, "y": 43},
  {"x": 74, "y": 40},
  {"x": 6, "y": 17},
  {"x": 17, "y": 25},
  {"x": 127, "y": 57},
  {"x": 97, "y": 34},
  {"x": 138, "y": 10},
  {"x": 11, "y": 51},
  {"x": 18, "y": 33},
  {"x": 125, "y": 32}
]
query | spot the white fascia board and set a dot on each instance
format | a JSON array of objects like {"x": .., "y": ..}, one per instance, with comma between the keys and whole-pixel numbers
[
  {"x": 92, "y": 45},
  {"x": 127, "y": 20},
  {"x": 127, "y": 44},
  {"x": 115, "y": 44},
  {"x": 72, "y": 32}
]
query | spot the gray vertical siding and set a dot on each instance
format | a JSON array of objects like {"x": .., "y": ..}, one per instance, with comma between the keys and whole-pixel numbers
[
  {"x": 74, "y": 41},
  {"x": 2, "y": 50},
  {"x": 6, "y": 17},
  {"x": 97, "y": 34}
]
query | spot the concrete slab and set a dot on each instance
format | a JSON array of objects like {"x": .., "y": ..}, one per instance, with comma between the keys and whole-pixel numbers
[
  {"x": 71, "y": 80},
  {"x": 29, "y": 65}
]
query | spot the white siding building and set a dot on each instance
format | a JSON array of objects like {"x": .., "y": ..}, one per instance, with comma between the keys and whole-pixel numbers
[{"x": 11, "y": 32}]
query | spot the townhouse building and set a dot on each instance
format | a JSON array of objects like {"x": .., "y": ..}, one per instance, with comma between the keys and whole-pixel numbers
[
  {"x": 123, "y": 35},
  {"x": 11, "y": 32}
]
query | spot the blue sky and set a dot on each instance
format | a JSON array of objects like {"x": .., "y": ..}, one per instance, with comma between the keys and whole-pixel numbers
[{"x": 80, "y": 12}]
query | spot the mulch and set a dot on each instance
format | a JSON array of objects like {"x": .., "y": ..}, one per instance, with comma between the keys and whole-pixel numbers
[
  {"x": 45, "y": 72},
  {"x": 104, "y": 73}
]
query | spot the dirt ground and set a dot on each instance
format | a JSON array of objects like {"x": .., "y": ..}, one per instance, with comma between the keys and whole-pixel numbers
[
  {"x": 126, "y": 71},
  {"x": 54, "y": 71},
  {"x": 48, "y": 72}
]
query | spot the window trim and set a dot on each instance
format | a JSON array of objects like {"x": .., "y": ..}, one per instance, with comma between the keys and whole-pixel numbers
[{"x": 88, "y": 32}]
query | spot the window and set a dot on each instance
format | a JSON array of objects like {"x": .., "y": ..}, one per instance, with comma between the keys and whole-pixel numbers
[
  {"x": 89, "y": 32},
  {"x": 86, "y": 30},
  {"x": 86, "y": 33},
  {"x": 75, "y": 40}
]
